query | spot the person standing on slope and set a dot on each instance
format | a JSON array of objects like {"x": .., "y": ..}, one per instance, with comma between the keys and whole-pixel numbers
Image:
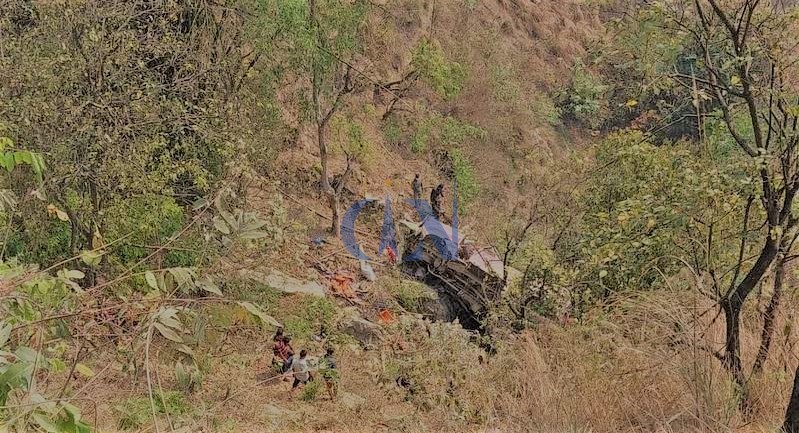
[
  {"x": 436, "y": 199},
  {"x": 416, "y": 186},
  {"x": 302, "y": 373},
  {"x": 329, "y": 369}
]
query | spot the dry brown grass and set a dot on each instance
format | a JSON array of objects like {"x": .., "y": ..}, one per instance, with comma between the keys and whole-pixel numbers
[
  {"x": 516, "y": 55},
  {"x": 636, "y": 369}
]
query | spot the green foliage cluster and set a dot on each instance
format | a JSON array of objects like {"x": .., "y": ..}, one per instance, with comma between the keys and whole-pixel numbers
[
  {"x": 39, "y": 239},
  {"x": 538, "y": 290},
  {"x": 468, "y": 188},
  {"x": 41, "y": 294},
  {"x": 311, "y": 316},
  {"x": 11, "y": 157},
  {"x": 302, "y": 49},
  {"x": 546, "y": 109},
  {"x": 392, "y": 132},
  {"x": 245, "y": 290},
  {"x": 445, "y": 77},
  {"x": 641, "y": 58},
  {"x": 503, "y": 81},
  {"x": 136, "y": 412},
  {"x": 148, "y": 220},
  {"x": 446, "y": 132},
  {"x": 22, "y": 406},
  {"x": 421, "y": 137},
  {"x": 453, "y": 131},
  {"x": 436, "y": 370},
  {"x": 649, "y": 206},
  {"x": 411, "y": 295},
  {"x": 582, "y": 100},
  {"x": 128, "y": 105},
  {"x": 349, "y": 134},
  {"x": 311, "y": 390},
  {"x": 448, "y": 135}
]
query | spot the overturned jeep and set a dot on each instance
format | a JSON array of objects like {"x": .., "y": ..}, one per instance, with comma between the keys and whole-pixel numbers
[{"x": 468, "y": 279}]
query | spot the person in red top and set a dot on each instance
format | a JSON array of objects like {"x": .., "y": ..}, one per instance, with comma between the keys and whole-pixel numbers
[
  {"x": 392, "y": 256},
  {"x": 283, "y": 352},
  {"x": 278, "y": 334},
  {"x": 287, "y": 353}
]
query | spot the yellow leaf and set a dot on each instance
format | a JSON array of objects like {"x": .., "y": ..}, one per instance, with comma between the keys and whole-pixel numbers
[
  {"x": 631, "y": 103},
  {"x": 53, "y": 211},
  {"x": 84, "y": 370},
  {"x": 97, "y": 239},
  {"x": 735, "y": 80}
]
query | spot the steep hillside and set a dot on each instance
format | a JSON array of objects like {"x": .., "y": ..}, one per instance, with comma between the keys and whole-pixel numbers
[
  {"x": 170, "y": 171},
  {"x": 504, "y": 64}
]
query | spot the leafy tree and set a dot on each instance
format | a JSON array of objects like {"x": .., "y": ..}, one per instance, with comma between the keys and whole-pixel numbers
[
  {"x": 583, "y": 99},
  {"x": 640, "y": 58},
  {"x": 123, "y": 98},
  {"x": 648, "y": 206},
  {"x": 739, "y": 62},
  {"x": 445, "y": 77},
  {"x": 320, "y": 40}
]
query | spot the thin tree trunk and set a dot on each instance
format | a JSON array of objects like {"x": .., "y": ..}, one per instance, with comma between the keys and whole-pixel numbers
[
  {"x": 732, "y": 306},
  {"x": 770, "y": 315},
  {"x": 791, "y": 424},
  {"x": 335, "y": 207},
  {"x": 327, "y": 189},
  {"x": 321, "y": 128},
  {"x": 732, "y": 355}
]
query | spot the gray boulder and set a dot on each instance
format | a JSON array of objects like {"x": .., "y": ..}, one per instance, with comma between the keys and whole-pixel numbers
[
  {"x": 278, "y": 416},
  {"x": 361, "y": 329},
  {"x": 284, "y": 283},
  {"x": 351, "y": 401}
]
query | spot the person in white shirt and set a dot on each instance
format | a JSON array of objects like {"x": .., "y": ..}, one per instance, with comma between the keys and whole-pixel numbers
[{"x": 302, "y": 373}]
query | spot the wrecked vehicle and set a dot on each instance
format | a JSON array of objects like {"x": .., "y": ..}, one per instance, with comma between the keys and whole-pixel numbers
[{"x": 468, "y": 279}]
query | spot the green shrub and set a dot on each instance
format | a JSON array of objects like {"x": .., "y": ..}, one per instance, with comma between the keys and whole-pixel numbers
[
  {"x": 350, "y": 135},
  {"x": 546, "y": 109},
  {"x": 392, "y": 132},
  {"x": 466, "y": 181},
  {"x": 447, "y": 131},
  {"x": 445, "y": 77},
  {"x": 311, "y": 390},
  {"x": 136, "y": 412},
  {"x": 246, "y": 290},
  {"x": 582, "y": 100},
  {"x": 150, "y": 220},
  {"x": 420, "y": 138},
  {"x": 505, "y": 86},
  {"x": 639, "y": 213},
  {"x": 410, "y": 294},
  {"x": 312, "y": 315},
  {"x": 183, "y": 258},
  {"x": 454, "y": 131},
  {"x": 41, "y": 240}
]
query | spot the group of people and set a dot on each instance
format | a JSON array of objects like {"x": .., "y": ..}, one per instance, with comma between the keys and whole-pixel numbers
[
  {"x": 436, "y": 195},
  {"x": 290, "y": 365}
]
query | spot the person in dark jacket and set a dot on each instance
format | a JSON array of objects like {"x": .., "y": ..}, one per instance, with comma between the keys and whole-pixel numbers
[
  {"x": 329, "y": 368},
  {"x": 416, "y": 185},
  {"x": 436, "y": 199}
]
